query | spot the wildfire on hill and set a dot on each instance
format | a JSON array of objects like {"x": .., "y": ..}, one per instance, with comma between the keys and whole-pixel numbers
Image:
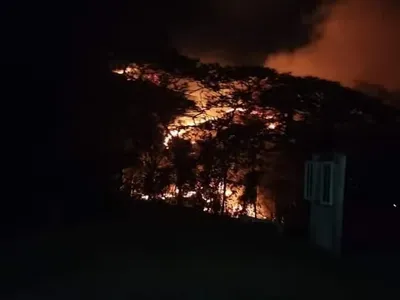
[
  {"x": 195, "y": 91},
  {"x": 184, "y": 127}
]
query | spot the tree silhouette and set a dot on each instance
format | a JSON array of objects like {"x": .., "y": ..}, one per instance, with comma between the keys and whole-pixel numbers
[{"x": 184, "y": 165}]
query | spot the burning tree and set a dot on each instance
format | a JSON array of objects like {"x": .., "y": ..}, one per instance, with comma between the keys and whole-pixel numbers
[
  {"x": 152, "y": 108},
  {"x": 184, "y": 166}
]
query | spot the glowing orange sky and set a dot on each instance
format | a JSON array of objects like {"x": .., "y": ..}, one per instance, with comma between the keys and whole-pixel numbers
[{"x": 360, "y": 40}]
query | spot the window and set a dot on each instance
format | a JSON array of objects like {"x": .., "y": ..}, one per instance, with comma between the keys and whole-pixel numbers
[
  {"x": 327, "y": 183},
  {"x": 309, "y": 180},
  {"x": 318, "y": 182}
]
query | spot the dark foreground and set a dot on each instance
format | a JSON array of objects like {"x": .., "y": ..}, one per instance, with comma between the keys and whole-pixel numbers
[{"x": 178, "y": 255}]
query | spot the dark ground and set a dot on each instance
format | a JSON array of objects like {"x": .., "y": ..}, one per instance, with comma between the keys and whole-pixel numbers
[{"x": 163, "y": 253}]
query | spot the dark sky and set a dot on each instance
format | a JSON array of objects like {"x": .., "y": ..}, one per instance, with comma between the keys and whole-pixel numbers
[
  {"x": 236, "y": 31},
  {"x": 343, "y": 40}
]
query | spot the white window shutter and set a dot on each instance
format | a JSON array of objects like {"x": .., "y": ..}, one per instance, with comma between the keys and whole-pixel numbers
[
  {"x": 326, "y": 189},
  {"x": 310, "y": 180}
]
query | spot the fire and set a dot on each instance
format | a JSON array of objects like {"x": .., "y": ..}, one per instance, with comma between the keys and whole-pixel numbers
[
  {"x": 119, "y": 71},
  {"x": 196, "y": 92},
  {"x": 182, "y": 126},
  {"x": 172, "y": 134},
  {"x": 233, "y": 206}
]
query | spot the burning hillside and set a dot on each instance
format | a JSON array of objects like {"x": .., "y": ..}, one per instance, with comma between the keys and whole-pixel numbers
[
  {"x": 209, "y": 106},
  {"x": 195, "y": 126}
]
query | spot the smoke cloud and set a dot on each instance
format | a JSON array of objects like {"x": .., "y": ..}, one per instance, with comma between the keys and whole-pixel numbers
[{"x": 359, "y": 40}]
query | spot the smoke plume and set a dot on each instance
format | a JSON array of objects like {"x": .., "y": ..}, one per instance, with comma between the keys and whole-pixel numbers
[{"x": 359, "y": 40}]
